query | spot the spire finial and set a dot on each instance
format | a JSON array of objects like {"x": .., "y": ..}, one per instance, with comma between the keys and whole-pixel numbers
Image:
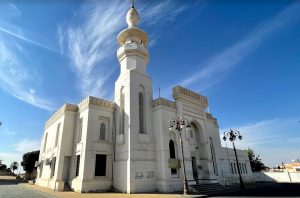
[{"x": 132, "y": 17}]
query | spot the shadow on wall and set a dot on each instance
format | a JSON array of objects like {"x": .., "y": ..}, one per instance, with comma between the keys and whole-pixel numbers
[{"x": 286, "y": 177}]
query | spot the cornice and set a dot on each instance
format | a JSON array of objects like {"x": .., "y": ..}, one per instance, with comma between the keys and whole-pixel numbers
[
  {"x": 211, "y": 119},
  {"x": 185, "y": 94},
  {"x": 132, "y": 49},
  {"x": 164, "y": 102},
  {"x": 60, "y": 112}
]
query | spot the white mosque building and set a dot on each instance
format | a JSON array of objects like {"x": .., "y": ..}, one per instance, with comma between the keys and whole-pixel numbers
[{"x": 125, "y": 144}]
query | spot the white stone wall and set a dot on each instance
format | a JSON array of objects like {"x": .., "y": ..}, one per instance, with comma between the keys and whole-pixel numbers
[
  {"x": 228, "y": 158},
  {"x": 276, "y": 177},
  {"x": 63, "y": 148}
]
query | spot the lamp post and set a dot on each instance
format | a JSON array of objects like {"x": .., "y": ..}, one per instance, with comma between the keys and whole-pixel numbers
[
  {"x": 232, "y": 135},
  {"x": 178, "y": 124}
]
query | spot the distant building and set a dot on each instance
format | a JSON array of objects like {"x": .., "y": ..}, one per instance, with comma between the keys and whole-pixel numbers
[
  {"x": 125, "y": 144},
  {"x": 291, "y": 167}
]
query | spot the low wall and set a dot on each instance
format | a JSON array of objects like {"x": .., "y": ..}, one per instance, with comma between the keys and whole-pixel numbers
[{"x": 276, "y": 177}]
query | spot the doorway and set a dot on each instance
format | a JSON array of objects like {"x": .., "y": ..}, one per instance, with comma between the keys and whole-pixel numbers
[{"x": 195, "y": 171}]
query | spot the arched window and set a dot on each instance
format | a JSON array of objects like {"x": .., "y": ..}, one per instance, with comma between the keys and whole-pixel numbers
[
  {"x": 141, "y": 113},
  {"x": 172, "y": 149},
  {"x": 172, "y": 155},
  {"x": 102, "y": 131},
  {"x": 122, "y": 112}
]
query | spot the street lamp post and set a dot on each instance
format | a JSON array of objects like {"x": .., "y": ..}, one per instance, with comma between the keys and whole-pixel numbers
[
  {"x": 178, "y": 124},
  {"x": 232, "y": 135}
]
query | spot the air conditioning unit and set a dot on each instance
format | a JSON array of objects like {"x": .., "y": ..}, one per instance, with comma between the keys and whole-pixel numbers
[
  {"x": 48, "y": 161},
  {"x": 37, "y": 164}
]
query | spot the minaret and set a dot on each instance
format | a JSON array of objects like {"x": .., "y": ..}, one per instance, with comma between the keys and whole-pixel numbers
[{"x": 134, "y": 166}]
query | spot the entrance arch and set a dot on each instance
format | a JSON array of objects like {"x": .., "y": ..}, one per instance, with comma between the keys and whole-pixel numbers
[{"x": 198, "y": 151}]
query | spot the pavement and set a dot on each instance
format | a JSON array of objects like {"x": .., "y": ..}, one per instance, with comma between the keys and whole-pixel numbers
[
  {"x": 266, "y": 190},
  {"x": 12, "y": 188}
]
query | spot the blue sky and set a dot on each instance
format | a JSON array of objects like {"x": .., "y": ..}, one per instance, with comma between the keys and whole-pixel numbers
[{"x": 244, "y": 56}]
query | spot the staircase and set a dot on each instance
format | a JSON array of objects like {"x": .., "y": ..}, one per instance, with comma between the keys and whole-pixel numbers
[{"x": 207, "y": 189}]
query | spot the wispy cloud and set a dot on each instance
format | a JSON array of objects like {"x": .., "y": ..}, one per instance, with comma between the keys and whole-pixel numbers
[
  {"x": 216, "y": 68},
  {"x": 7, "y": 132},
  {"x": 14, "y": 9},
  {"x": 27, "y": 145},
  {"x": 14, "y": 78},
  {"x": 92, "y": 42},
  {"x": 275, "y": 140},
  {"x": 4, "y": 28}
]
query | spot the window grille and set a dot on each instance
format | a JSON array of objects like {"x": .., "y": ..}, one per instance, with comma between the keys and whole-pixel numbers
[
  {"x": 122, "y": 128},
  {"x": 45, "y": 142},
  {"x": 102, "y": 131},
  {"x": 141, "y": 113},
  {"x": 80, "y": 130},
  {"x": 191, "y": 134},
  {"x": 57, "y": 134}
]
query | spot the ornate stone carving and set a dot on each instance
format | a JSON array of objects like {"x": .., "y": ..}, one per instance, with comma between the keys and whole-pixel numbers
[
  {"x": 164, "y": 102},
  {"x": 185, "y": 94},
  {"x": 101, "y": 102}
]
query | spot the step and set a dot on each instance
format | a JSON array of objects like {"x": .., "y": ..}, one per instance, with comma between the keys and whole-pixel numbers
[{"x": 209, "y": 188}]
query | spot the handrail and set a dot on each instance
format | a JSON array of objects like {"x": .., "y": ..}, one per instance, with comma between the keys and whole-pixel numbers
[{"x": 199, "y": 180}]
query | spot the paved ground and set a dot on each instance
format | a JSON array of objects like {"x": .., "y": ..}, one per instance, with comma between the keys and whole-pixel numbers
[
  {"x": 267, "y": 190},
  {"x": 10, "y": 188}
]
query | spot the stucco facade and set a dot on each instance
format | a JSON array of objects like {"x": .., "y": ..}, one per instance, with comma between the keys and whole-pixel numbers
[{"x": 125, "y": 144}]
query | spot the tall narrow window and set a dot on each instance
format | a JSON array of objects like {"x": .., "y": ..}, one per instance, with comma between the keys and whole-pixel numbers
[
  {"x": 57, "y": 134},
  {"x": 53, "y": 162},
  {"x": 192, "y": 134},
  {"x": 213, "y": 154},
  {"x": 77, "y": 165},
  {"x": 141, "y": 113},
  {"x": 80, "y": 130},
  {"x": 102, "y": 131},
  {"x": 234, "y": 164},
  {"x": 100, "y": 166},
  {"x": 41, "y": 169},
  {"x": 231, "y": 168},
  {"x": 122, "y": 113},
  {"x": 172, "y": 155},
  {"x": 45, "y": 142}
]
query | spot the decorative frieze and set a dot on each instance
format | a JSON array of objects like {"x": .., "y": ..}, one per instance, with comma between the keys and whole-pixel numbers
[
  {"x": 101, "y": 102},
  {"x": 95, "y": 101},
  {"x": 164, "y": 102},
  {"x": 185, "y": 94}
]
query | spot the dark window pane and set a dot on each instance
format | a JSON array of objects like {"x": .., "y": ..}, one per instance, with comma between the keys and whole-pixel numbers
[
  {"x": 100, "y": 167},
  {"x": 77, "y": 165}
]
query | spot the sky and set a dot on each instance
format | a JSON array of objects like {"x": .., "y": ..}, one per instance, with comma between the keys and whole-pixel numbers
[{"x": 243, "y": 55}]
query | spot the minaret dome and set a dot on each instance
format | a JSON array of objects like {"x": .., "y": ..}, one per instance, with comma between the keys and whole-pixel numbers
[{"x": 132, "y": 17}]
